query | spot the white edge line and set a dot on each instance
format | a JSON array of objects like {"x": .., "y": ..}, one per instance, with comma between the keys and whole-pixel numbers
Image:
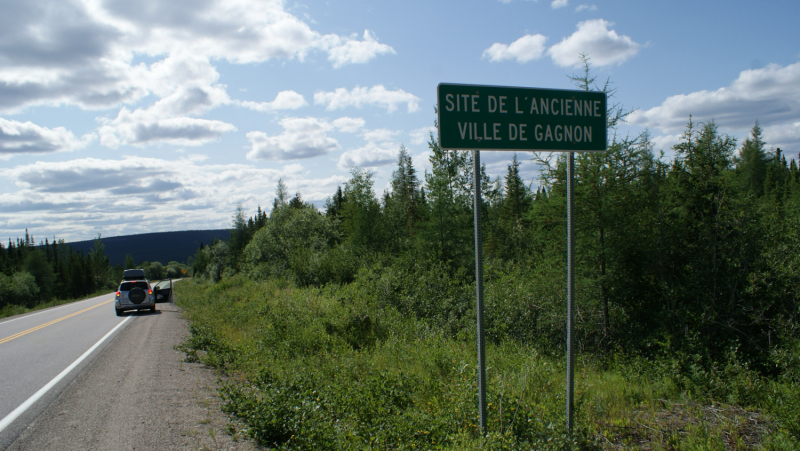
[
  {"x": 5, "y": 422},
  {"x": 52, "y": 309}
]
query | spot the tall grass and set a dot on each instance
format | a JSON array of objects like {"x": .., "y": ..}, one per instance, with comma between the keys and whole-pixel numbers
[{"x": 369, "y": 366}]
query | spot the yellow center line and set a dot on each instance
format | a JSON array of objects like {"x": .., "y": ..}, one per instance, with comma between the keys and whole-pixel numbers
[{"x": 42, "y": 326}]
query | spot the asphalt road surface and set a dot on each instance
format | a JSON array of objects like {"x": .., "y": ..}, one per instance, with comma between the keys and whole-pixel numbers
[{"x": 79, "y": 377}]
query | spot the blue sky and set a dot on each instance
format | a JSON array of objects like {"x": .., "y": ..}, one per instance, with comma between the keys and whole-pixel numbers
[{"x": 121, "y": 117}]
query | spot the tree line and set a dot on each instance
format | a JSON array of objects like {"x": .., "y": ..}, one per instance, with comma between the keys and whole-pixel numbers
[
  {"x": 31, "y": 274},
  {"x": 693, "y": 256}
]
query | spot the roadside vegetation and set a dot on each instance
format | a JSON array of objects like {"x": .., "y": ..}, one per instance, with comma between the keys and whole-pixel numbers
[{"x": 355, "y": 328}]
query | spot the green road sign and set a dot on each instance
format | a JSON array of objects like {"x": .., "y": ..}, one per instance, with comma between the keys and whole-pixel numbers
[{"x": 507, "y": 118}]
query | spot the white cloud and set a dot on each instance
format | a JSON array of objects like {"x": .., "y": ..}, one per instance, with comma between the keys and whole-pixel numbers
[
  {"x": 145, "y": 127},
  {"x": 524, "y": 49},
  {"x": 285, "y": 100},
  {"x": 422, "y": 163},
  {"x": 352, "y": 51},
  {"x": 27, "y": 137},
  {"x": 785, "y": 136},
  {"x": 360, "y": 96},
  {"x": 770, "y": 95},
  {"x": 665, "y": 142},
  {"x": 241, "y": 31},
  {"x": 88, "y": 196},
  {"x": 301, "y": 138},
  {"x": 422, "y": 135},
  {"x": 580, "y": 8},
  {"x": 81, "y": 53},
  {"x": 370, "y": 155},
  {"x": 348, "y": 124},
  {"x": 90, "y": 174},
  {"x": 558, "y": 4},
  {"x": 604, "y": 46},
  {"x": 379, "y": 134}
]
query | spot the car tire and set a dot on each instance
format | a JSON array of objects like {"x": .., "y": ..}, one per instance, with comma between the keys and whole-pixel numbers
[{"x": 119, "y": 311}]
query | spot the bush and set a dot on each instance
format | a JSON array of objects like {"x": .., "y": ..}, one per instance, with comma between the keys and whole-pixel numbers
[
  {"x": 155, "y": 271},
  {"x": 295, "y": 244},
  {"x": 19, "y": 289}
]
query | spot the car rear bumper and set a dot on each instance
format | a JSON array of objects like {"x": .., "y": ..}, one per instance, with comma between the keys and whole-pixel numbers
[{"x": 127, "y": 305}]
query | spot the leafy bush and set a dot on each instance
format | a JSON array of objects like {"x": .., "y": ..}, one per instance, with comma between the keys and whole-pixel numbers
[
  {"x": 296, "y": 244},
  {"x": 19, "y": 289},
  {"x": 155, "y": 271}
]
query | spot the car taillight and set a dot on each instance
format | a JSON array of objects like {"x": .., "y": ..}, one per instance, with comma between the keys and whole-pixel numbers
[
  {"x": 117, "y": 293},
  {"x": 151, "y": 291}
]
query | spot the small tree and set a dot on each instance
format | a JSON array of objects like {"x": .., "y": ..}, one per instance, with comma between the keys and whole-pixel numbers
[
  {"x": 129, "y": 262},
  {"x": 37, "y": 265},
  {"x": 751, "y": 166},
  {"x": 100, "y": 264},
  {"x": 362, "y": 212},
  {"x": 281, "y": 195},
  {"x": 239, "y": 236}
]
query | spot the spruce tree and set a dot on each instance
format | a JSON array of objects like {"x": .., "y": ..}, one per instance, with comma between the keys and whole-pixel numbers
[
  {"x": 751, "y": 165},
  {"x": 402, "y": 205},
  {"x": 516, "y": 200}
]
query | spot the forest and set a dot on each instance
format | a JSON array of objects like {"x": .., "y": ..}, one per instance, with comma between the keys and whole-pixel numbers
[{"x": 354, "y": 328}]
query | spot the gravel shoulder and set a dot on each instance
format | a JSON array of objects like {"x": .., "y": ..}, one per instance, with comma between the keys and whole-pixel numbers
[{"x": 139, "y": 394}]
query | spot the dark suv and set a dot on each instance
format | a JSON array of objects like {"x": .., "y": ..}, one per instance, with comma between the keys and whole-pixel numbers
[{"x": 134, "y": 295}]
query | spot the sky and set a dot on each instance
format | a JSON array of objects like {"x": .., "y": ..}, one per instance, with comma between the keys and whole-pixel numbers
[{"x": 122, "y": 117}]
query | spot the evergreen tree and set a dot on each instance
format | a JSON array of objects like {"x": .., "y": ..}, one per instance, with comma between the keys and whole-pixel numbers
[
  {"x": 37, "y": 265},
  {"x": 402, "y": 205},
  {"x": 297, "y": 201},
  {"x": 335, "y": 204},
  {"x": 751, "y": 166},
  {"x": 238, "y": 233},
  {"x": 517, "y": 199},
  {"x": 261, "y": 218},
  {"x": 100, "y": 265},
  {"x": 362, "y": 213},
  {"x": 447, "y": 226},
  {"x": 130, "y": 263}
]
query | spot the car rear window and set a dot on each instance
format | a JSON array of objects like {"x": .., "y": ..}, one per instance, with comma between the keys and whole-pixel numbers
[{"x": 128, "y": 286}]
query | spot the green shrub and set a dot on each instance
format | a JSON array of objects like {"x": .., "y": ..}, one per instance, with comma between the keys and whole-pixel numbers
[
  {"x": 293, "y": 245},
  {"x": 18, "y": 289}
]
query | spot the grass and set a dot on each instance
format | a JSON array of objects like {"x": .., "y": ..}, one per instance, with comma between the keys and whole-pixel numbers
[{"x": 339, "y": 368}]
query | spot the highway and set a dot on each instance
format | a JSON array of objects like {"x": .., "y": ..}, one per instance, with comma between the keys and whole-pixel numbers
[
  {"x": 38, "y": 348},
  {"x": 77, "y": 377}
]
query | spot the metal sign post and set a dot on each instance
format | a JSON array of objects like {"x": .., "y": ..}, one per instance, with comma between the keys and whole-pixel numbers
[
  {"x": 476, "y": 156},
  {"x": 526, "y": 119},
  {"x": 570, "y": 288}
]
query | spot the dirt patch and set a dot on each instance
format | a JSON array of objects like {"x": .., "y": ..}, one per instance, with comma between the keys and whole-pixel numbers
[{"x": 668, "y": 426}]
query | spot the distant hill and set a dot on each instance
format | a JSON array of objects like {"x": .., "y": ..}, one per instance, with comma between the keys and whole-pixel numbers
[{"x": 162, "y": 247}]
